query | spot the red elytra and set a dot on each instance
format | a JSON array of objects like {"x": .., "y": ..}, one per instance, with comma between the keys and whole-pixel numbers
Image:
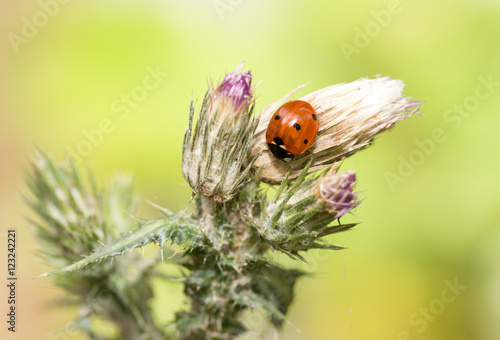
[{"x": 292, "y": 130}]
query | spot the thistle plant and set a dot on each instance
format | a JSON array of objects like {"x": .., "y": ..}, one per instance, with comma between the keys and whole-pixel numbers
[
  {"x": 246, "y": 205},
  {"x": 75, "y": 218}
]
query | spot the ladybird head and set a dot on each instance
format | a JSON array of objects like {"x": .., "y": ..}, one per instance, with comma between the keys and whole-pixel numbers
[{"x": 280, "y": 153}]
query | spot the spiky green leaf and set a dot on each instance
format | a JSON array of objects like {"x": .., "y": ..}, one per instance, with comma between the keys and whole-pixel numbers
[{"x": 176, "y": 229}]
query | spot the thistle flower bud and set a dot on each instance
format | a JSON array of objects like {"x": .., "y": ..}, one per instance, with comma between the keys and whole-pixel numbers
[
  {"x": 214, "y": 152},
  {"x": 335, "y": 191},
  {"x": 302, "y": 210},
  {"x": 350, "y": 116},
  {"x": 236, "y": 89}
]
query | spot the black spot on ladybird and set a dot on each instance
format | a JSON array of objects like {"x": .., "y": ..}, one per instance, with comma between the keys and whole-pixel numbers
[
  {"x": 314, "y": 116},
  {"x": 277, "y": 117},
  {"x": 306, "y": 141},
  {"x": 278, "y": 141},
  {"x": 296, "y": 126}
]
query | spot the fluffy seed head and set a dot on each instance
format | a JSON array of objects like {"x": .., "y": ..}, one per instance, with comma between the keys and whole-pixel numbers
[{"x": 350, "y": 116}]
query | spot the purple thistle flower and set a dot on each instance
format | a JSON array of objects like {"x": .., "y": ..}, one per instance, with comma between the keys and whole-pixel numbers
[
  {"x": 237, "y": 86},
  {"x": 336, "y": 192},
  {"x": 235, "y": 90},
  {"x": 214, "y": 151}
]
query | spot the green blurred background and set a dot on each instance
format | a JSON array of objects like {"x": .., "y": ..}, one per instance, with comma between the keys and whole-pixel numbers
[{"x": 437, "y": 225}]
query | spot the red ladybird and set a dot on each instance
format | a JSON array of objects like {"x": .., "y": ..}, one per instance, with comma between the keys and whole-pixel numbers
[{"x": 292, "y": 130}]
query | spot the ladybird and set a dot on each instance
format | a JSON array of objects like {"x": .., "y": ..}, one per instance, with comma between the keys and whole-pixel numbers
[{"x": 292, "y": 130}]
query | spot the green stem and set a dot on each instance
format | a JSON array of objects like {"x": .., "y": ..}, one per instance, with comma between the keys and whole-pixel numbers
[{"x": 207, "y": 223}]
